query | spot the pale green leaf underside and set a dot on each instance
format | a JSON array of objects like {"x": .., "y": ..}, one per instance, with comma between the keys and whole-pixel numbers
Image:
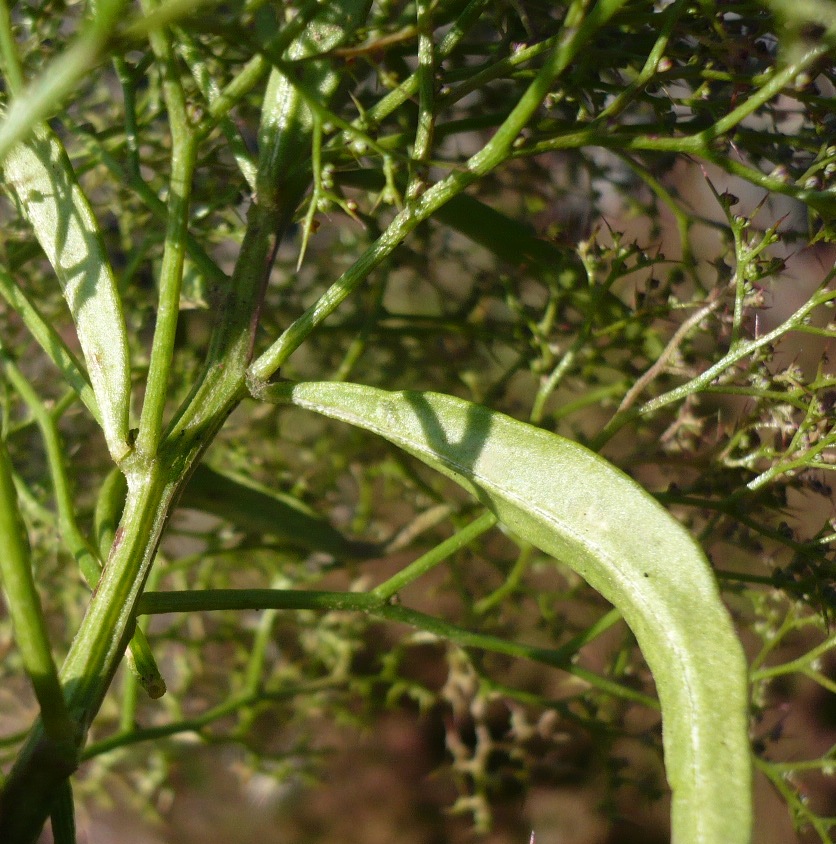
[
  {"x": 45, "y": 186},
  {"x": 574, "y": 505}
]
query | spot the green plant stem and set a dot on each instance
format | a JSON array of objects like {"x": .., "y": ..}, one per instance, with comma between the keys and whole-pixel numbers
[
  {"x": 800, "y": 808},
  {"x": 744, "y": 577},
  {"x": 604, "y": 623},
  {"x": 283, "y": 177},
  {"x": 670, "y": 16},
  {"x": 94, "y": 657},
  {"x": 221, "y": 383},
  {"x": 209, "y": 89},
  {"x": 504, "y": 67},
  {"x": 701, "y": 143},
  {"x": 826, "y": 761},
  {"x": 95, "y": 653},
  {"x": 63, "y": 816},
  {"x": 501, "y": 69},
  {"x": 678, "y": 338},
  {"x": 12, "y": 70},
  {"x": 790, "y": 623},
  {"x": 134, "y": 181},
  {"x": 24, "y": 608},
  {"x": 801, "y": 664},
  {"x": 318, "y": 192},
  {"x": 183, "y": 159},
  {"x": 129, "y": 701},
  {"x": 632, "y": 140},
  {"x": 496, "y": 151},
  {"x": 509, "y": 585},
  {"x": 253, "y": 599},
  {"x": 682, "y": 218},
  {"x": 128, "y": 83},
  {"x": 76, "y": 542},
  {"x": 313, "y": 101},
  {"x": 202, "y": 600},
  {"x": 198, "y": 723},
  {"x": 409, "y": 87},
  {"x": 109, "y": 504},
  {"x": 254, "y": 672},
  {"x": 809, "y": 458},
  {"x": 143, "y": 674},
  {"x": 153, "y": 484},
  {"x": 256, "y": 69},
  {"x": 495, "y": 644},
  {"x": 85, "y": 554},
  {"x": 245, "y": 81},
  {"x": 422, "y": 148},
  {"x": 704, "y": 379},
  {"x": 820, "y": 679},
  {"x": 441, "y": 552},
  {"x": 706, "y": 144}
]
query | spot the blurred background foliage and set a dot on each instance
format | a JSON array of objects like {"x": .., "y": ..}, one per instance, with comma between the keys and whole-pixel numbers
[{"x": 637, "y": 239}]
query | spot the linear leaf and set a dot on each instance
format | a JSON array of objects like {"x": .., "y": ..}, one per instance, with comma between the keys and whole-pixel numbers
[
  {"x": 44, "y": 183},
  {"x": 573, "y": 504},
  {"x": 252, "y": 507}
]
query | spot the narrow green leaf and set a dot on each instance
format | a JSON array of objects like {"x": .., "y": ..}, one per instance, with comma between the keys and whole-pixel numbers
[
  {"x": 573, "y": 504},
  {"x": 509, "y": 239},
  {"x": 42, "y": 177},
  {"x": 253, "y": 507}
]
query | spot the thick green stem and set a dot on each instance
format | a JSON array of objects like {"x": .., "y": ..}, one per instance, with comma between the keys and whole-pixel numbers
[
  {"x": 63, "y": 816},
  {"x": 30, "y": 789},
  {"x": 154, "y": 474},
  {"x": 99, "y": 645},
  {"x": 85, "y": 554}
]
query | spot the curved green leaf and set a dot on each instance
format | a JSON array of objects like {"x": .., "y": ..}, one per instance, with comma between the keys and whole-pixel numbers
[
  {"x": 573, "y": 504},
  {"x": 44, "y": 183}
]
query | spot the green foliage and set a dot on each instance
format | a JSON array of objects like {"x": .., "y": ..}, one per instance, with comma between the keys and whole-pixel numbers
[
  {"x": 43, "y": 181},
  {"x": 573, "y": 505},
  {"x": 488, "y": 200}
]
